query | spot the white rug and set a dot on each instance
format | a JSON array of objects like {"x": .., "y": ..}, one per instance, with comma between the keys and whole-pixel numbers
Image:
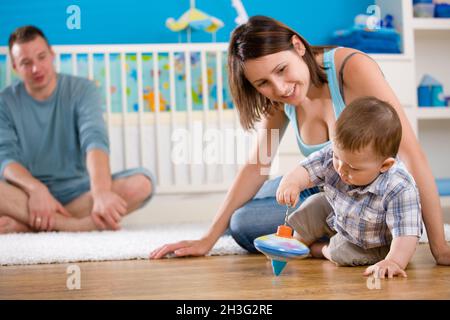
[{"x": 64, "y": 247}]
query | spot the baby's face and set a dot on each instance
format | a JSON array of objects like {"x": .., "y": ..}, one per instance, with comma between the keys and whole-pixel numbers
[{"x": 361, "y": 167}]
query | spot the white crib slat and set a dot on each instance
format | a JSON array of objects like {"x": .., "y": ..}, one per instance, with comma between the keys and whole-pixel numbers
[
  {"x": 108, "y": 92},
  {"x": 187, "y": 62},
  {"x": 156, "y": 113},
  {"x": 123, "y": 78},
  {"x": 172, "y": 111},
  {"x": 141, "y": 110},
  {"x": 58, "y": 62},
  {"x": 220, "y": 105},
  {"x": 8, "y": 70},
  {"x": 205, "y": 94},
  {"x": 90, "y": 66},
  {"x": 74, "y": 64}
]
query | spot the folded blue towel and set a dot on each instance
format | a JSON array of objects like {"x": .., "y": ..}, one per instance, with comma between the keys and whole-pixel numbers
[
  {"x": 384, "y": 40},
  {"x": 378, "y": 47},
  {"x": 368, "y": 46},
  {"x": 381, "y": 33}
]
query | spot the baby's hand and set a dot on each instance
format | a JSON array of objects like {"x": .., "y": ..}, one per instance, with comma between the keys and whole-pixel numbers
[
  {"x": 288, "y": 192},
  {"x": 389, "y": 267}
]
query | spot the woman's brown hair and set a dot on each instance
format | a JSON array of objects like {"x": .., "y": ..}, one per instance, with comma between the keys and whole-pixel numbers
[{"x": 262, "y": 36}]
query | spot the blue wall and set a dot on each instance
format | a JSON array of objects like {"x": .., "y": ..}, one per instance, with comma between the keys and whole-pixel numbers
[{"x": 138, "y": 21}]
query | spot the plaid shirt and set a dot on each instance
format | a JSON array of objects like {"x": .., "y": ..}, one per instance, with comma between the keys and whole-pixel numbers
[{"x": 368, "y": 216}]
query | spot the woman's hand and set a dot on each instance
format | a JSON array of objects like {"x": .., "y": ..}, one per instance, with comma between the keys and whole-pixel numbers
[
  {"x": 108, "y": 210},
  {"x": 183, "y": 248}
]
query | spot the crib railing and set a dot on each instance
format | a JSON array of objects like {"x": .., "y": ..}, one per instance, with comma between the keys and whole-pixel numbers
[{"x": 146, "y": 137}]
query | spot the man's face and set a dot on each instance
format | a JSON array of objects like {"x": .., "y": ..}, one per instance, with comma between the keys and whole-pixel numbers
[{"x": 33, "y": 62}]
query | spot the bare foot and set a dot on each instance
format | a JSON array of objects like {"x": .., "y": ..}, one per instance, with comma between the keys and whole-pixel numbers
[
  {"x": 75, "y": 224},
  {"x": 10, "y": 225},
  {"x": 316, "y": 249}
]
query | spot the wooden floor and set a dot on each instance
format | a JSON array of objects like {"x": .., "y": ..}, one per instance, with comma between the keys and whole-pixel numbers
[{"x": 226, "y": 277}]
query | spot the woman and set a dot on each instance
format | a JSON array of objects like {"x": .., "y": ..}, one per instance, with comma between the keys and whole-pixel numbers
[{"x": 275, "y": 78}]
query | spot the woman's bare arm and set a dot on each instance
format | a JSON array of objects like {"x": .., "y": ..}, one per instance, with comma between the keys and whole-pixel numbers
[{"x": 248, "y": 181}]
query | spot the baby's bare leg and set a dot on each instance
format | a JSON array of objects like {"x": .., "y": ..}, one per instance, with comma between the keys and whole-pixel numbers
[{"x": 315, "y": 247}]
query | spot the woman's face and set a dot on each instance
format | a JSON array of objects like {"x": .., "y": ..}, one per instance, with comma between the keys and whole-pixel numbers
[{"x": 281, "y": 77}]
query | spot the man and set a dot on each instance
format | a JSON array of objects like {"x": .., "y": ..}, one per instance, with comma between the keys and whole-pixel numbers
[{"x": 54, "y": 150}]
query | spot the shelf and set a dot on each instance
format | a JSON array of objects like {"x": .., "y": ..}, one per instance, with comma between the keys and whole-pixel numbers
[
  {"x": 431, "y": 24},
  {"x": 432, "y": 113}
]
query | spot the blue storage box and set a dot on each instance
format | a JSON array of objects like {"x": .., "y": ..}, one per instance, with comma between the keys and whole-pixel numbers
[
  {"x": 443, "y": 186},
  {"x": 424, "y": 95},
  {"x": 430, "y": 92},
  {"x": 442, "y": 10}
]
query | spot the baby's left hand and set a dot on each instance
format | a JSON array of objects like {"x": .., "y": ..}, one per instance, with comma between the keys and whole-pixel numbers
[{"x": 380, "y": 269}]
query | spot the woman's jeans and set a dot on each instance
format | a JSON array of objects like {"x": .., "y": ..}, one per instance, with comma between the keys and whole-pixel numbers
[{"x": 261, "y": 215}]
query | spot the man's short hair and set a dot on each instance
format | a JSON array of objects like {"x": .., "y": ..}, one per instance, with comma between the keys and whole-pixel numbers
[
  {"x": 369, "y": 121},
  {"x": 25, "y": 34}
]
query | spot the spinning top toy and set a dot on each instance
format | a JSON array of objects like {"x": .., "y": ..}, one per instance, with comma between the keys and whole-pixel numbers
[{"x": 281, "y": 247}]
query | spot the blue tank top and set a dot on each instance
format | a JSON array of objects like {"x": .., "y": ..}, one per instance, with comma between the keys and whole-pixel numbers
[{"x": 336, "y": 98}]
